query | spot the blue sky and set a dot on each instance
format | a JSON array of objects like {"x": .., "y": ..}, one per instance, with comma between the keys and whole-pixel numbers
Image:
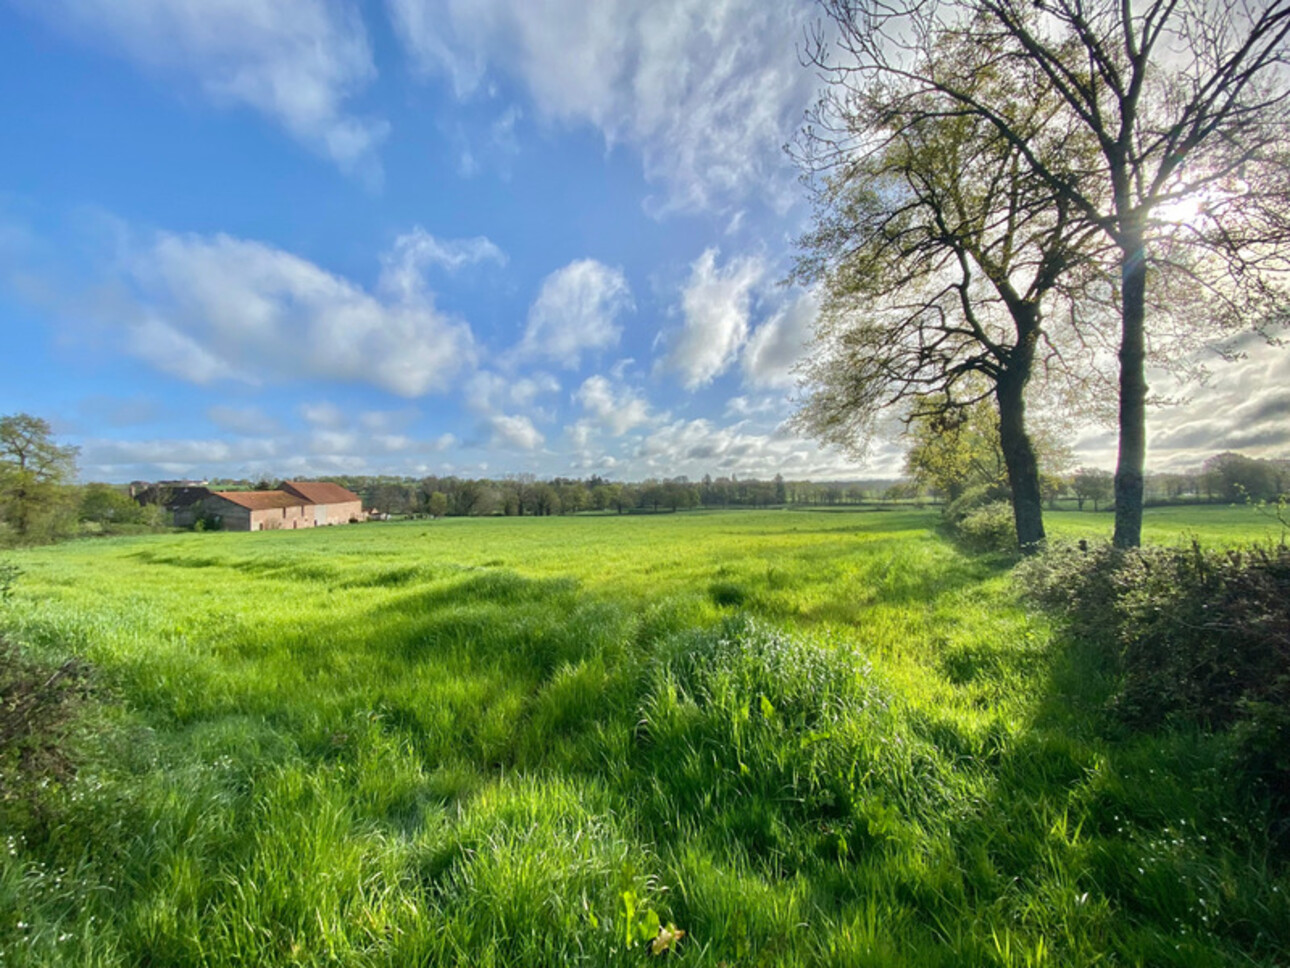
[{"x": 425, "y": 236}]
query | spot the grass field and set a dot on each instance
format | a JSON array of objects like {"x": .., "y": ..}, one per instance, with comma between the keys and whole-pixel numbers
[
  {"x": 1212, "y": 525},
  {"x": 802, "y": 738}
]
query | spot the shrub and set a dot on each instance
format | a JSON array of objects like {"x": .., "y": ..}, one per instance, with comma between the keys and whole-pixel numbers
[
  {"x": 1198, "y": 635},
  {"x": 39, "y": 709},
  {"x": 972, "y": 500},
  {"x": 988, "y": 528},
  {"x": 981, "y": 519}
]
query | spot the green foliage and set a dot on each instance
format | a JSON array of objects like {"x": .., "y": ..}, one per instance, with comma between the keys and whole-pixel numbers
[
  {"x": 981, "y": 519},
  {"x": 108, "y": 509},
  {"x": 990, "y": 527},
  {"x": 437, "y": 504},
  {"x": 955, "y": 451},
  {"x": 9, "y": 575},
  {"x": 1199, "y": 635},
  {"x": 36, "y": 501},
  {"x": 39, "y": 713},
  {"x": 1093, "y": 484},
  {"x": 1237, "y": 478},
  {"x": 474, "y": 742}
]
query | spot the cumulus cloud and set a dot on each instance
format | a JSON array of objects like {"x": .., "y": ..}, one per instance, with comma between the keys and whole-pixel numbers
[
  {"x": 297, "y": 63},
  {"x": 697, "y": 447},
  {"x": 743, "y": 406},
  {"x": 576, "y": 310},
  {"x": 515, "y": 431},
  {"x": 715, "y": 303},
  {"x": 403, "y": 267},
  {"x": 152, "y": 339},
  {"x": 488, "y": 392},
  {"x": 617, "y": 410},
  {"x": 206, "y": 308},
  {"x": 706, "y": 90},
  {"x": 1244, "y": 406},
  {"x": 778, "y": 343}
]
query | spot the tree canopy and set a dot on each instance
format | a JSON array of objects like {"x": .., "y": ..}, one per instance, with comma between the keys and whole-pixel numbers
[
  {"x": 34, "y": 476},
  {"x": 1180, "y": 111},
  {"x": 941, "y": 256}
]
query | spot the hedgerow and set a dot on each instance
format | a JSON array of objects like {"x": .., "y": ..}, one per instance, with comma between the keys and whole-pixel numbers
[{"x": 1196, "y": 635}]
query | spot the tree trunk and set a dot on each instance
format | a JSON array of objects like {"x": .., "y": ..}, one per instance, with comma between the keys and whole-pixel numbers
[
  {"x": 1133, "y": 394},
  {"x": 1019, "y": 456}
]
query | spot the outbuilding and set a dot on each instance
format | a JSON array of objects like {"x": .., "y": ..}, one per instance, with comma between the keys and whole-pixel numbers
[
  {"x": 332, "y": 503},
  {"x": 299, "y": 504}
]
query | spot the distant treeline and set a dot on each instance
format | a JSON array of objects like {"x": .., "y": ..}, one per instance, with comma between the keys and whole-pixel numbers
[
  {"x": 1225, "y": 478},
  {"x": 524, "y": 494}
]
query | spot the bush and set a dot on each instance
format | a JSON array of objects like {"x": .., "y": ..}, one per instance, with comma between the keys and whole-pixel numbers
[
  {"x": 988, "y": 528},
  {"x": 981, "y": 519},
  {"x": 972, "y": 500},
  {"x": 39, "y": 709},
  {"x": 1199, "y": 636}
]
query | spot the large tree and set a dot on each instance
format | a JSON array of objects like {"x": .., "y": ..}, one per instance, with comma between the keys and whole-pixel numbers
[
  {"x": 939, "y": 253},
  {"x": 34, "y": 476},
  {"x": 1187, "y": 103}
]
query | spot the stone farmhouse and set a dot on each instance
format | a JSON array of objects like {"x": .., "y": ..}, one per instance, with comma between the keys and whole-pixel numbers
[{"x": 299, "y": 504}]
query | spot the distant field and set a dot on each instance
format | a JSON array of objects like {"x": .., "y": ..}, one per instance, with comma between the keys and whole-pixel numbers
[
  {"x": 802, "y": 738},
  {"x": 1214, "y": 525}
]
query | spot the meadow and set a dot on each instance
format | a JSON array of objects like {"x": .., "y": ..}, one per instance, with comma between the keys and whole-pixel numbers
[{"x": 802, "y": 738}]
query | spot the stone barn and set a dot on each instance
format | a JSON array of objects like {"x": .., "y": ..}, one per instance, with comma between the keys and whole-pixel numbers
[
  {"x": 332, "y": 503},
  {"x": 299, "y": 504}
]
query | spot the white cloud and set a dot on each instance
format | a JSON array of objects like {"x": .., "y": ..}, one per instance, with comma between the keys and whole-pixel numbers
[
  {"x": 209, "y": 308},
  {"x": 1243, "y": 406},
  {"x": 778, "y": 343},
  {"x": 697, "y": 447},
  {"x": 515, "y": 431},
  {"x": 576, "y": 310},
  {"x": 745, "y": 407},
  {"x": 715, "y": 303},
  {"x": 295, "y": 62},
  {"x": 616, "y": 410},
  {"x": 706, "y": 90},
  {"x": 154, "y": 340},
  {"x": 413, "y": 252},
  {"x": 488, "y": 392}
]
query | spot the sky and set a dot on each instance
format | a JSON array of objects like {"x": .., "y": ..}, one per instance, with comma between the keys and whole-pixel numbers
[{"x": 472, "y": 237}]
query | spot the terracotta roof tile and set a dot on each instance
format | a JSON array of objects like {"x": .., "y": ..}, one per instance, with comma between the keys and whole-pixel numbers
[
  {"x": 261, "y": 500},
  {"x": 320, "y": 492}
]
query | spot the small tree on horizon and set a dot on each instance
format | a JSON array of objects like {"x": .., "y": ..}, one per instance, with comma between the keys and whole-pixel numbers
[{"x": 36, "y": 500}]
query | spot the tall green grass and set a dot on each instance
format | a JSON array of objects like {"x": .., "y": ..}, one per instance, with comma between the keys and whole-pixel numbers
[{"x": 804, "y": 739}]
